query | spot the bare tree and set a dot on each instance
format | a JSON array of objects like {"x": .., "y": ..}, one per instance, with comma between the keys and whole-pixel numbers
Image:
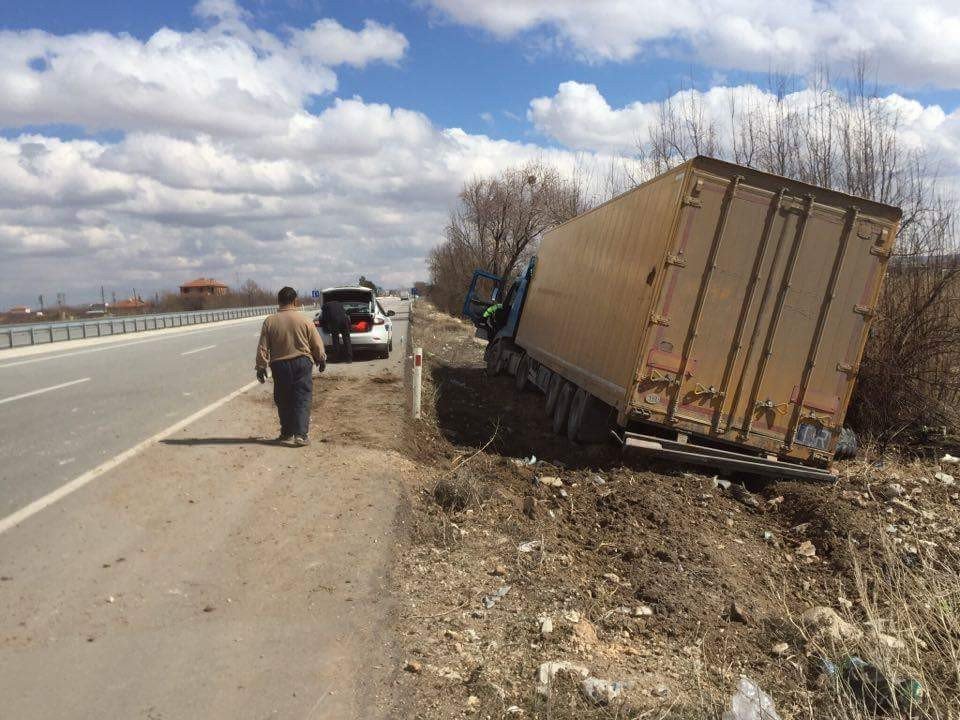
[{"x": 497, "y": 224}]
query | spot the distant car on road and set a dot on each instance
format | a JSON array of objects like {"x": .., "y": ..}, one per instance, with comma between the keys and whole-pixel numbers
[
  {"x": 371, "y": 327},
  {"x": 404, "y": 296}
]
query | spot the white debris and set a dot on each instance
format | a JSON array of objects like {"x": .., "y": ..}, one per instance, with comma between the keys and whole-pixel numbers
[
  {"x": 548, "y": 671},
  {"x": 550, "y": 481},
  {"x": 529, "y": 546},
  {"x": 749, "y": 702},
  {"x": 601, "y": 692},
  {"x": 950, "y": 459},
  {"x": 945, "y": 478}
]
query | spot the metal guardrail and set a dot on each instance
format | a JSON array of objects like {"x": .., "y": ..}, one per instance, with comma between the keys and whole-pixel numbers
[{"x": 12, "y": 336}]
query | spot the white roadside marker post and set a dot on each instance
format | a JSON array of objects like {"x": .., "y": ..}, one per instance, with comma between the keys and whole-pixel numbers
[{"x": 417, "y": 380}]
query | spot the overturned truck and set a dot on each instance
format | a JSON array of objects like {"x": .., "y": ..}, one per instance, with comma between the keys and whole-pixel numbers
[{"x": 714, "y": 315}]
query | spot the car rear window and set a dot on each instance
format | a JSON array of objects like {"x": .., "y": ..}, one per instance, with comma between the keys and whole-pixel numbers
[{"x": 353, "y": 300}]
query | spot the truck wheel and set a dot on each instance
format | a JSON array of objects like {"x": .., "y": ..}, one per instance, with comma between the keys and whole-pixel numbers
[
  {"x": 522, "y": 382},
  {"x": 589, "y": 420},
  {"x": 496, "y": 358},
  {"x": 562, "y": 410},
  {"x": 553, "y": 391},
  {"x": 575, "y": 418},
  {"x": 846, "y": 446}
]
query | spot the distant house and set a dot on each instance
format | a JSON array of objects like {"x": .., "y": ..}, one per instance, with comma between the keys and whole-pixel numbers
[
  {"x": 130, "y": 305},
  {"x": 204, "y": 286},
  {"x": 20, "y": 312}
]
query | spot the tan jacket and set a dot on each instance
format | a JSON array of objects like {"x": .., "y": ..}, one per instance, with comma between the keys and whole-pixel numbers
[{"x": 288, "y": 334}]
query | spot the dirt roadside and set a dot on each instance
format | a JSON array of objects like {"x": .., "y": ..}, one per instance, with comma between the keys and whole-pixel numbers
[
  {"x": 666, "y": 582},
  {"x": 217, "y": 575}
]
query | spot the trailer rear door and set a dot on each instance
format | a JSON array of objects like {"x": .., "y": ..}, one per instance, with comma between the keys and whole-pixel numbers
[{"x": 762, "y": 314}]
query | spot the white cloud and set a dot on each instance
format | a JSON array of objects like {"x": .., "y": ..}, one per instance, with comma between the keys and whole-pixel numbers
[
  {"x": 580, "y": 118},
  {"x": 913, "y": 43},
  {"x": 328, "y": 42}
]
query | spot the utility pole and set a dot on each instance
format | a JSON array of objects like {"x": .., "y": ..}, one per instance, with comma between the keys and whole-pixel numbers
[
  {"x": 61, "y": 299},
  {"x": 103, "y": 299},
  {"x": 41, "y": 303},
  {"x": 113, "y": 296}
]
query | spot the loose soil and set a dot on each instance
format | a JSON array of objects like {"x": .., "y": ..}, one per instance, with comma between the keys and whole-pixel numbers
[{"x": 652, "y": 575}]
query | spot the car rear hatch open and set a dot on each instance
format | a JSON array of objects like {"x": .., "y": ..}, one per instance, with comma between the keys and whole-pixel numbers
[{"x": 358, "y": 305}]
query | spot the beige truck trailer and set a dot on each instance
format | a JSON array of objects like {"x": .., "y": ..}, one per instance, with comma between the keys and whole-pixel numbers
[{"x": 718, "y": 312}]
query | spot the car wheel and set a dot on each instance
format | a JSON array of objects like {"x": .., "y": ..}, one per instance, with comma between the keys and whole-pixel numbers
[
  {"x": 561, "y": 411},
  {"x": 495, "y": 358}
]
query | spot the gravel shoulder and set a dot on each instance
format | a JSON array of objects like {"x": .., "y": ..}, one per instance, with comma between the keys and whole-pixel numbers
[{"x": 217, "y": 575}]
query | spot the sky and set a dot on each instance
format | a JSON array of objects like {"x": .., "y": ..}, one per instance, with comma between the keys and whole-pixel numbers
[{"x": 307, "y": 142}]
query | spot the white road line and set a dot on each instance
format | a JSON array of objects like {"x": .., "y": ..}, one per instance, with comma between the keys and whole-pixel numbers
[
  {"x": 78, "y": 482},
  {"x": 112, "y": 346},
  {"x": 191, "y": 352},
  {"x": 43, "y": 390}
]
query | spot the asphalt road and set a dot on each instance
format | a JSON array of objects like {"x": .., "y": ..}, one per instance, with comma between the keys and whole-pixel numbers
[{"x": 66, "y": 411}]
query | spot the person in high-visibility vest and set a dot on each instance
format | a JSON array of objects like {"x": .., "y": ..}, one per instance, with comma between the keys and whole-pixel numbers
[{"x": 492, "y": 319}]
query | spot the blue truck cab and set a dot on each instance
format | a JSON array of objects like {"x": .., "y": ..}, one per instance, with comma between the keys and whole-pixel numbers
[{"x": 487, "y": 290}]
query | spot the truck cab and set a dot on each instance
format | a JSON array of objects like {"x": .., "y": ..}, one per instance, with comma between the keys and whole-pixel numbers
[{"x": 487, "y": 290}]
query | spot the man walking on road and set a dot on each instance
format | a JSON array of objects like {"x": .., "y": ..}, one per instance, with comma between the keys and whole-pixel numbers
[
  {"x": 337, "y": 323},
  {"x": 290, "y": 344}
]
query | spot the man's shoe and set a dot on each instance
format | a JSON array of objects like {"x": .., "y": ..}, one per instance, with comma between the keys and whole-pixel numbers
[
  {"x": 301, "y": 440},
  {"x": 284, "y": 438}
]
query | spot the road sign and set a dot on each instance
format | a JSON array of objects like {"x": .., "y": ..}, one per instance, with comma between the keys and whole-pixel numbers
[{"x": 316, "y": 294}]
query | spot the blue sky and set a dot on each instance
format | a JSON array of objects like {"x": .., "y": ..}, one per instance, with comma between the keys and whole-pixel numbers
[{"x": 307, "y": 141}]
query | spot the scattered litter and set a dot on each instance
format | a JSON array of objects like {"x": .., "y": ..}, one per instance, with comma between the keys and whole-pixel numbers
[
  {"x": 739, "y": 492},
  {"x": 514, "y": 710},
  {"x": 774, "y": 502},
  {"x": 550, "y": 481},
  {"x": 549, "y": 670},
  {"x": 546, "y": 626},
  {"x": 111, "y": 599},
  {"x": 642, "y": 611},
  {"x": 749, "y": 702},
  {"x": 780, "y": 649},
  {"x": 572, "y": 616},
  {"x": 529, "y": 546},
  {"x": 807, "y": 549},
  {"x": 769, "y": 537},
  {"x": 660, "y": 691},
  {"x": 597, "y": 480},
  {"x": 718, "y": 483},
  {"x": 601, "y": 692},
  {"x": 532, "y": 460},
  {"x": 490, "y": 600},
  {"x": 950, "y": 459},
  {"x": 945, "y": 478},
  {"x": 871, "y": 686}
]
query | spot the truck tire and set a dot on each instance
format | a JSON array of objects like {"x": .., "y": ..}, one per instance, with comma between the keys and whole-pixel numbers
[
  {"x": 846, "y": 446},
  {"x": 522, "y": 380},
  {"x": 553, "y": 391},
  {"x": 496, "y": 358},
  {"x": 561, "y": 412},
  {"x": 589, "y": 419}
]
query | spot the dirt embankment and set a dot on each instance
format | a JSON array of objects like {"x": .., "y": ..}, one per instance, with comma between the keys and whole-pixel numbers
[{"x": 527, "y": 550}]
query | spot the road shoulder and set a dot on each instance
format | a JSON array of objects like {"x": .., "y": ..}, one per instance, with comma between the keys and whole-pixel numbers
[{"x": 216, "y": 575}]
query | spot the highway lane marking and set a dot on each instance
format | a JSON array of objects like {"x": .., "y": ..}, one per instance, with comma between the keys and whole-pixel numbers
[
  {"x": 43, "y": 390},
  {"x": 111, "y": 346},
  {"x": 191, "y": 352},
  {"x": 78, "y": 482}
]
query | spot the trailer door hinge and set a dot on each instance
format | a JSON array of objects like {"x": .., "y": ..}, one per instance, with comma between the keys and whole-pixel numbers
[
  {"x": 659, "y": 320},
  {"x": 848, "y": 369},
  {"x": 864, "y": 310},
  {"x": 677, "y": 260},
  {"x": 692, "y": 201},
  {"x": 881, "y": 251}
]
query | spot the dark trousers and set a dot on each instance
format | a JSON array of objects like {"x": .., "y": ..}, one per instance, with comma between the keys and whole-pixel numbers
[
  {"x": 292, "y": 393},
  {"x": 342, "y": 337}
]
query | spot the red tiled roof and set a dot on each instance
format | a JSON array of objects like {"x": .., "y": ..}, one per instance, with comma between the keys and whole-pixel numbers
[
  {"x": 203, "y": 282},
  {"x": 129, "y": 303}
]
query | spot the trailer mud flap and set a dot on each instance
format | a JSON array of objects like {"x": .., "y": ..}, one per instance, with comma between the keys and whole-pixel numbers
[{"x": 720, "y": 459}]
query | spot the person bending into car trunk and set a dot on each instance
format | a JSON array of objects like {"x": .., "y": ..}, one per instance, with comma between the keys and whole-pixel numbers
[
  {"x": 290, "y": 345},
  {"x": 335, "y": 319}
]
